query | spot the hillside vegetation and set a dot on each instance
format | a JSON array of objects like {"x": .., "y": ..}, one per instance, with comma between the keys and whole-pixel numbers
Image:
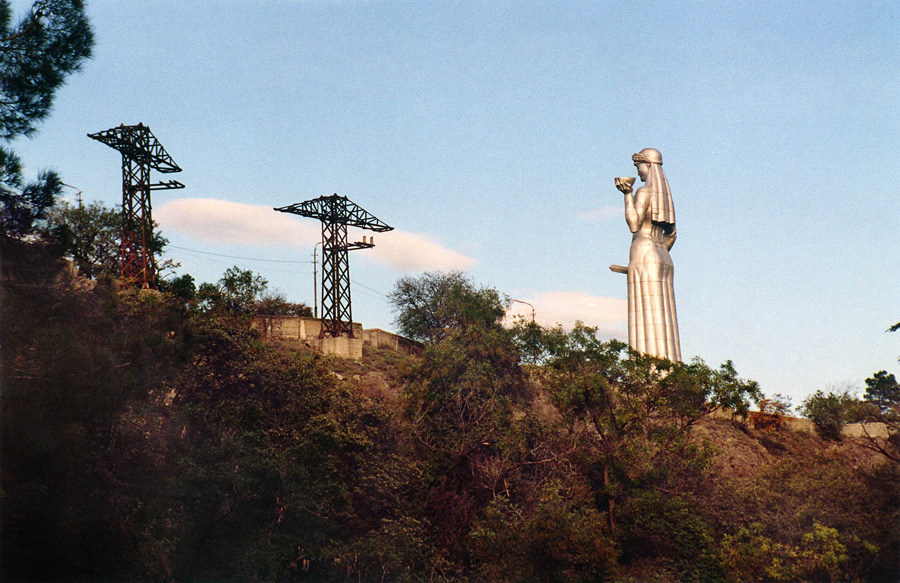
[
  {"x": 154, "y": 437},
  {"x": 151, "y": 436}
]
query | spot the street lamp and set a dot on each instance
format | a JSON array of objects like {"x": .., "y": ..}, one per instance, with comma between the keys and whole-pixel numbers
[
  {"x": 77, "y": 194},
  {"x": 527, "y": 304}
]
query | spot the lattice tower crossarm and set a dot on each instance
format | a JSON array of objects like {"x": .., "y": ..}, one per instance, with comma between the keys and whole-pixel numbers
[
  {"x": 336, "y": 213},
  {"x": 141, "y": 152},
  {"x": 138, "y": 143}
]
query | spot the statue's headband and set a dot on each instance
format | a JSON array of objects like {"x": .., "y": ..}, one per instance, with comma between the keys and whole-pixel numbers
[{"x": 647, "y": 156}]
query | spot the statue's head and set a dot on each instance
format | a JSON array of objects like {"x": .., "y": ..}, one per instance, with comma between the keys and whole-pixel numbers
[{"x": 647, "y": 156}]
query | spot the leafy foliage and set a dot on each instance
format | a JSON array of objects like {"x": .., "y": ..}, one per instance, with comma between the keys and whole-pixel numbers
[
  {"x": 146, "y": 437},
  {"x": 632, "y": 417},
  {"x": 91, "y": 236},
  {"x": 831, "y": 411},
  {"x": 556, "y": 540},
  {"x": 240, "y": 292},
  {"x": 883, "y": 391},
  {"x": 23, "y": 205},
  {"x": 430, "y": 306},
  {"x": 820, "y": 556},
  {"x": 802, "y": 519},
  {"x": 36, "y": 56},
  {"x": 182, "y": 286},
  {"x": 666, "y": 528},
  {"x": 461, "y": 396},
  {"x": 79, "y": 363},
  {"x": 883, "y": 397}
]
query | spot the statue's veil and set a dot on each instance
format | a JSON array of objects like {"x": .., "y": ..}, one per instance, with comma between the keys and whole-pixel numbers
[
  {"x": 662, "y": 209},
  {"x": 661, "y": 206}
]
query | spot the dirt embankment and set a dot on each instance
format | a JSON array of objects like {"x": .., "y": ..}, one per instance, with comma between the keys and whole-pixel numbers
[{"x": 743, "y": 451}]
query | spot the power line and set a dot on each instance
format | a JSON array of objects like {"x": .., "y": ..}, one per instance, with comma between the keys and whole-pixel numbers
[
  {"x": 368, "y": 288},
  {"x": 232, "y": 263},
  {"x": 237, "y": 257},
  {"x": 269, "y": 261}
]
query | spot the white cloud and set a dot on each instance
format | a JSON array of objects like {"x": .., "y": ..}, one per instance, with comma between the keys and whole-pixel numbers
[
  {"x": 609, "y": 315},
  {"x": 234, "y": 223},
  {"x": 595, "y": 215},
  {"x": 405, "y": 251}
]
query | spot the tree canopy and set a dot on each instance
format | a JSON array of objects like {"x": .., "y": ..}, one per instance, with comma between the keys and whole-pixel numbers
[
  {"x": 36, "y": 55},
  {"x": 432, "y": 305},
  {"x": 244, "y": 293}
]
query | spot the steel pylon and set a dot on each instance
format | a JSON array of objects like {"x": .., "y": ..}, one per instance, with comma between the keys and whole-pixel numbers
[
  {"x": 141, "y": 152},
  {"x": 336, "y": 213}
]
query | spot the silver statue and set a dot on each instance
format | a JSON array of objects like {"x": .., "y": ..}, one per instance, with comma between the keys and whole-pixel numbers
[{"x": 650, "y": 214}]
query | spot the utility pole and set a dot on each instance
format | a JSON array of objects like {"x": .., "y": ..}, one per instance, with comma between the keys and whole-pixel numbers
[
  {"x": 141, "y": 151},
  {"x": 315, "y": 285},
  {"x": 337, "y": 213}
]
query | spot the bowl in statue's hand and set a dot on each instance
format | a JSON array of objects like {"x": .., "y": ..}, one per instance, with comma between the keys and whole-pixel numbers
[{"x": 624, "y": 183}]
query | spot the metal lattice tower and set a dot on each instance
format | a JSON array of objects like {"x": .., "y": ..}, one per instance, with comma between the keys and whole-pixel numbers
[
  {"x": 141, "y": 151},
  {"x": 336, "y": 213}
]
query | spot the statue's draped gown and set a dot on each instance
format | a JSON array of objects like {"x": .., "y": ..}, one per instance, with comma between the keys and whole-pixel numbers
[{"x": 652, "y": 320}]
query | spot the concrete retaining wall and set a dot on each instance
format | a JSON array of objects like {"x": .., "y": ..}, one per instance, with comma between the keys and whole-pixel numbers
[
  {"x": 294, "y": 327},
  {"x": 307, "y": 330},
  {"x": 803, "y": 425},
  {"x": 381, "y": 338},
  {"x": 879, "y": 430},
  {"x": 343, "y": 347}
]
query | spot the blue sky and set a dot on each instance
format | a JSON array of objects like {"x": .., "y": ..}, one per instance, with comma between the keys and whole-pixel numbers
[{"x": 489, "y": 134}]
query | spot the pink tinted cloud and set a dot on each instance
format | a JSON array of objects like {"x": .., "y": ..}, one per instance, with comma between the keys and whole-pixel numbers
[
  {"x": 412, "y": 252},
  {"x": 233, "y": 223}
]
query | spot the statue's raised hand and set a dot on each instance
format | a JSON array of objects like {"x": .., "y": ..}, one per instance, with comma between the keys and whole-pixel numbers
[{"x": 624, "y": 184}]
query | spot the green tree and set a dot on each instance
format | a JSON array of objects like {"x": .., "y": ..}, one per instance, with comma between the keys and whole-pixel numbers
[
  {"x": 91, "y": 236},
  {"x": 557, "y": 538},
  {"x": 36, "y": 56},
  {"x": 281, "y": 472},
  {"x": 461, "y": 396},
  {"x": 236, "y": 291},
  {"x": 275, "y": 304},
  {"x": 182, "y": 286},
  {"x": 632, "y": 416},
  {"x": 430, "y": 306},
  {"x": 831, "y": 411},
  {"x": 802, "y": 514},
  {"x": 883, "y": 390},
  {"x": 244, "y": 293},
  {"x": 23, "y": 204},
  {"x": 883, "y": 393}
]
